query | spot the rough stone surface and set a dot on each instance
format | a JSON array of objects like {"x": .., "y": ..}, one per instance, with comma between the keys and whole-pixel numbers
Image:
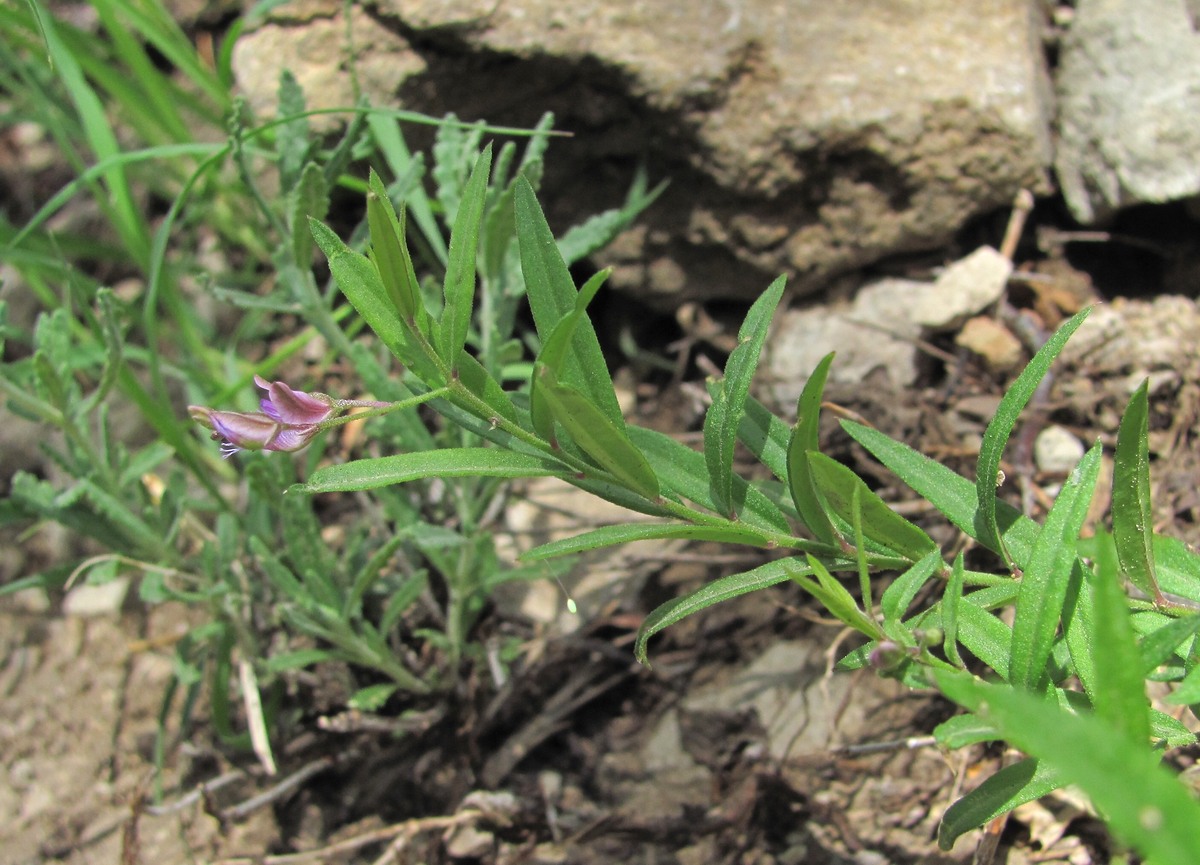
[
  {"x": 877, "y": 333},
  {"x": 799, "y": 138},
  {"x": 1129, "y": 93}
]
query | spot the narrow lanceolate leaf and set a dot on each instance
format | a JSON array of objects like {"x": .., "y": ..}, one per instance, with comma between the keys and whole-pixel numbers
[
  {"x": 836, "y": 486},
  {"x": 598, "y": 436},
  {"x": 729, "y": 404},
  {"x": 805, "y": 438},
  {"x": 833, "y": 596},
  {"x": 370, "y": 474},
  {"x": 461, "y": 268},
  {"x": 949, "y": 492},
  {"x": 553, "y": 356},
  {"x": 682, "y": 471},
  {"x": 359, "y": 280},
  {"x": 1009, "y": 788},
  {"x": 899, "y": 595},
  {"x": 1119, "y": 694},
  {"x": 1144, "y": 805},
  {"x": 627, "y": 532},
  {"x": 724, "y": 589},
  {"x": 552, "y": 296},
  {"x": 987, "y": 471},
  {"x": 1132, "y": 517},
  {"x": 950, "y": 601},
  {"x": 1046, "y": 578},
  {"x": 390, "y": 251}
]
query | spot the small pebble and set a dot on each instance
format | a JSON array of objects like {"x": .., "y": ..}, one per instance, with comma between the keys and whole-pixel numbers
[{"x": 1057, "y": 450}]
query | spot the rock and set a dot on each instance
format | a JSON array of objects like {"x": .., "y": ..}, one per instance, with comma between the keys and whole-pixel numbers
[
  {"x": 994, "y": 343},
  {"x": 784, "y": 686},
  {"x": 877, "y": 333},
  {"x": 308, "y": 38},
  {"x": 1057, "y": 450},
  {"x": 96, "y": 599},
  {"x": 799, "y": 138},
  {"x": 1129, "y": 97}
]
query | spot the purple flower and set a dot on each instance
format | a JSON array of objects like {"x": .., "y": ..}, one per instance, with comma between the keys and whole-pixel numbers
[
  {"x": 288, "y": 421},
  {"x": 252, "y": 431}
]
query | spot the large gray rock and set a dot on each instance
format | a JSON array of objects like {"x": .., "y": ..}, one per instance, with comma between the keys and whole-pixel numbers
[
  {"x": 805, "y": 137},
  {"x": 1129, "y": 91}
]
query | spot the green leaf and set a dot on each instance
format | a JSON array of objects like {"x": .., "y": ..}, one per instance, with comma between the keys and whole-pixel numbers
[
  {"x": 952, "y": 494},
  {"x": 370, "y": 474},
  {"x": 682, "y": 471},
  {"x": 604, "y": 440},
  {"x": 291, "y": 135},
  {"x": 899, "y": 595},
  {"x": 1009, "y": 788},
  {"x": 950, "y": 602},
  {"x": 359, "y": 281},
  {"x": 834, "y": 597},
  {"x": 553, "y": 356},
  {"x": 1044, "y": 584},
  {"x": 1132, "y": 515},
  {"x": 389, "y": 251},
  {"x": 461, "y": 268},
  {"x": 1158, "y": 646},
  {"x": 625, "y": 533},
  {"x": 599, "y": 231},
  {"x": 372, "y": 697},
  {"x": 724, "y": 416},
  {"x": 765, "y": 436},
  {"x": 308, "y": 199},
  {"x": 963, "y": 730},
  {"x": 1119, "y": 694},
  {"x": 482, "y": 384},
  {"x": 984, "y": 636},
  {"x": 805, "y": 438},
  {"x": 552, "y": 297},
  {"x": 987, "y": 473},
  {"x": 715, "y": 592},
  {"x": 1144, "y": 805},
  {"x": 836, "y": 485}
]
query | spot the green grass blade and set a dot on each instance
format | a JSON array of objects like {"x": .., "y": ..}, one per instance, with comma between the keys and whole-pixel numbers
[
  {"x": 724, "y": 416},
  {"x": 995, "y": 439},
  {"x": 1044, "y": 584},
  {"x": 805, "y": 438},
  {"x": 1144, "y": 805},
  {"x": 102, "y": 139},
  {"x": 461, "y": 269},
  {"x": 1132, "y": 515},
  {"x": 368, "y": 474}
]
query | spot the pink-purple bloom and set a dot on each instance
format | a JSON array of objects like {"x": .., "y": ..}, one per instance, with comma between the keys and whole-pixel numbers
[{"x": 288, "y": 421}]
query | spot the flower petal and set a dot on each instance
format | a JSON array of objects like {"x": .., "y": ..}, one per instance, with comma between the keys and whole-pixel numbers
[
  {"x": 289, "y": 406},
  {"x": 244, "y": 430}
]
